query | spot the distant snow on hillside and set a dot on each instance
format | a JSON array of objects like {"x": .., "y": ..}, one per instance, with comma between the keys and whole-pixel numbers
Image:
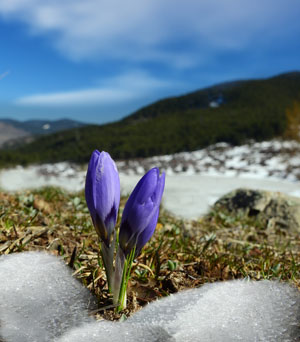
[
  {"x": 272, "y": 159},
  {"x": 195, "y": 180}
]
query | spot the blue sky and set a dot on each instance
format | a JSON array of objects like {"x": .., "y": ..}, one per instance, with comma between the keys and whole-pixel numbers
[{"x": 100, "y": 60}]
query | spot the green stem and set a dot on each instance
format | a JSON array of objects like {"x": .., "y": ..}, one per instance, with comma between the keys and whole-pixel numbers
[
  {"x": 122, "y": 293},
  {"x": 121, "y": 299}
]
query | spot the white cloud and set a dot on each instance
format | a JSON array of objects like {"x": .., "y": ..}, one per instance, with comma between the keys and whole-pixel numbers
[
  {"x": 77, "y": 97},
  {"x": 153, "y": 29},
  {"x": 122, "y": 88}
]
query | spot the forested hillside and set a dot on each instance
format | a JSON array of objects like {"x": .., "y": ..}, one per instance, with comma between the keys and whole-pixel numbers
[{"x": 232, "y": 112}]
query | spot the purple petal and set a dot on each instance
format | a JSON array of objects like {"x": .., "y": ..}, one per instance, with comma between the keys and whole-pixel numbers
[
  {"x": 89, "y": 197},
  {"x": 106, "y": 187},
  {"x": 141, "y": 207},
  {"x": 102, "y": 193},
  {"x": 159, "y": 189},
  {"x": 111, "y": 219},
  {"x": 148, "y": 185},
  {"x": 145, "y": 236}
]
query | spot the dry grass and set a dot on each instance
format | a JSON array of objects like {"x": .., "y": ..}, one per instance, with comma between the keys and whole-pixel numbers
[{"x": 181, "y": 254}]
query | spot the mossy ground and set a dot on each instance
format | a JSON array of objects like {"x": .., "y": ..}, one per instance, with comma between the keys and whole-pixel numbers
[{"x": 180, "y": 255}]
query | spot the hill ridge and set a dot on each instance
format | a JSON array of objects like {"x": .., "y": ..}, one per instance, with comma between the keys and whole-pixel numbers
[{"x": 232, "y": 113}]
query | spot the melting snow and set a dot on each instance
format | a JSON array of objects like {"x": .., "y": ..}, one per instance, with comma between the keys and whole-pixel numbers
[
  {"x": 194, "y": 179},
  {"x": 228, "y": 311},
  {"x": 40, "y": 301}
]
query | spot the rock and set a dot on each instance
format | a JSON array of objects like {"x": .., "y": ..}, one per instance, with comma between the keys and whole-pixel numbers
[{"x": 275, "y": 209}]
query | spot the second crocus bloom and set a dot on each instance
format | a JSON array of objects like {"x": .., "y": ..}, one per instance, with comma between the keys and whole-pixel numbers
[{"x": 141, "y": 212}]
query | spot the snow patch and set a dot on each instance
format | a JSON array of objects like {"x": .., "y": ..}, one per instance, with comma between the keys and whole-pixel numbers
[
  {"x": 193, "y": 178},
  {"x": 40, "y": 301}
]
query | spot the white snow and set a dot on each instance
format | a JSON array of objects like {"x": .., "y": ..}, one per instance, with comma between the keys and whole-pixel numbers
[
  {"x": 191, "y": 196},
  {"x": 104, "y": 331},
  {"x": 39, "y": 298},
  {"x": 61, "y": 174},
  {"x": 40, "y": 301},
  {"x": 46, "y": 126},
  {"x": 194, "y": 179},
  {"x": 228, "y": 311}
]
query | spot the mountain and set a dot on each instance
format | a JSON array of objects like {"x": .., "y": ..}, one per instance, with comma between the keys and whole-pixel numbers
[
  {"x": 9, "y": 132},
  {"x": 39, "y": 127},
  {"x": 15, "y": 133},
  {"x": 232, "y": 112}
]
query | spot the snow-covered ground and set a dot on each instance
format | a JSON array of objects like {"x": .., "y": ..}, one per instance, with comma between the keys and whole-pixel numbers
[
  {"x": 41, "y": 301},
  {"x": 270, "y": 159},
  {"x": 195, "y": 180}
]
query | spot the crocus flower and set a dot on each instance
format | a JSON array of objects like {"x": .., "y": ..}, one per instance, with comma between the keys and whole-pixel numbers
[
  {"x": 141, "y": 212},
  {"x": 102, "y": 194},
  {"x": 145, "y": 235}
]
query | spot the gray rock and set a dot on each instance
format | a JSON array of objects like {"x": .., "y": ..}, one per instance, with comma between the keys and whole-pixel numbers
[{"x": 275, "y": 209}]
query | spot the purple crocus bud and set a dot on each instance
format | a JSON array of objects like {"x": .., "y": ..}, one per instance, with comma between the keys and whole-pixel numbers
[
  {"x": 102, "y": 194},
  {"x": 141, "y": 211},
  {"x": 145, "y": 236}
]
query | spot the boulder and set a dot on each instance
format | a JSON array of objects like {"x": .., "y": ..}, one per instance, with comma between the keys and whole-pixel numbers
[{"x": 275, "y": 209}]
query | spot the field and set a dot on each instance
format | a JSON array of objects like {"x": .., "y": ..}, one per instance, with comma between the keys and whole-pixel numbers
[{"x": 181, "y": 254}]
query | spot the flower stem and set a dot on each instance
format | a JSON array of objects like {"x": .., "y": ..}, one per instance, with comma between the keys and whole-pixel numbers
[
  {"x": 107, "y": 253},
  {"x": 124, "y": 266},
  {"x": 119, "y": 266}
]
